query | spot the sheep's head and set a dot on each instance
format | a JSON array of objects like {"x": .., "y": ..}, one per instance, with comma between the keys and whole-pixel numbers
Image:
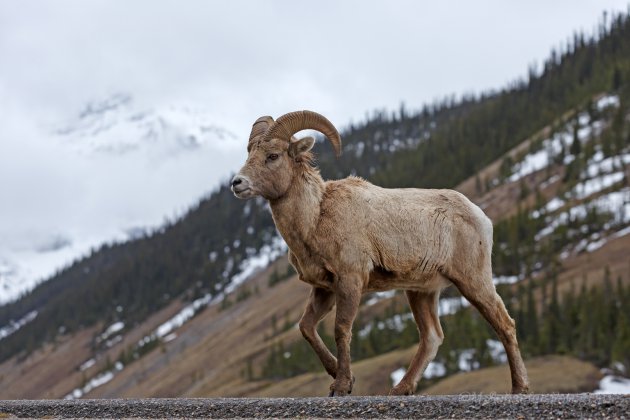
[{"x": 275, "y": 156}]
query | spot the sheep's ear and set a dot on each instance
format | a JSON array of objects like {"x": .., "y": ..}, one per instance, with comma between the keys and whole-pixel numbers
[{"x": 301, "y": 146}]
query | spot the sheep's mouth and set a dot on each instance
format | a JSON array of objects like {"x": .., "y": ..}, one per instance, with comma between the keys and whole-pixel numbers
[{"x": 243, "y": 193}]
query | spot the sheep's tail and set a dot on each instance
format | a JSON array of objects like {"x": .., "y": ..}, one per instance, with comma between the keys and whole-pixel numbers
[{"x": 486, "y": 229}]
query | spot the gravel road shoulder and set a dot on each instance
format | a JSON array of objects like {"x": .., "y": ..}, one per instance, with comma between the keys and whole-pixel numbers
[{"x": 448, "y": 406}]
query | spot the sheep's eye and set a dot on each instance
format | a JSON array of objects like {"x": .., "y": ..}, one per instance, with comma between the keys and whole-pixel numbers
[{"x": 272, "y": 156}]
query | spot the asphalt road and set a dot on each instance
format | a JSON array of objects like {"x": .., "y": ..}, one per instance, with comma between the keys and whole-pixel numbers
[{"x": 451, "y": 406}]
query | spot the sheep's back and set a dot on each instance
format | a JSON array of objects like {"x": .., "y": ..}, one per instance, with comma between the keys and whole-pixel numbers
[{"x": 401, "y": 230}]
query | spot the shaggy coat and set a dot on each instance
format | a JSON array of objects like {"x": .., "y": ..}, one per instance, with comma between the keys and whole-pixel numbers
[{"x": 349, "y": 237}]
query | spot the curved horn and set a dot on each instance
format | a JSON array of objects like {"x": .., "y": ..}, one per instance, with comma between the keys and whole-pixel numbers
[
  {"x": 289, "y": 124},
  {"x": 260, "y": 126}
]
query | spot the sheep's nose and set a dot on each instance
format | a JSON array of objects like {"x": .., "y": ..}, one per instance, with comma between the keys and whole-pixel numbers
[{"x": 236, "y": 180}]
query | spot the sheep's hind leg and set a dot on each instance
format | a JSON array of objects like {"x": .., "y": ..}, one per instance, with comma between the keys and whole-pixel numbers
[
  {"x": 425, "y": 312},
  {"x": 486, "y": 299},
  {"x": 319, "y": 304}
]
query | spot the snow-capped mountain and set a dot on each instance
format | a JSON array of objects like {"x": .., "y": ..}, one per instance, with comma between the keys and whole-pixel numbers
[
  {"x": 112, "y": 172},
  {"x": 8, "y": 277},
  {"x": 116, "y": 126}
]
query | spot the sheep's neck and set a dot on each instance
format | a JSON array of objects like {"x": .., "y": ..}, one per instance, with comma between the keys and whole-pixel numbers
[{"x": 297, "y": 212}]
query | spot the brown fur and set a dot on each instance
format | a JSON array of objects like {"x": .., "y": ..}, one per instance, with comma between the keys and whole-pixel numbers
[{"x": 349, "y": 237}]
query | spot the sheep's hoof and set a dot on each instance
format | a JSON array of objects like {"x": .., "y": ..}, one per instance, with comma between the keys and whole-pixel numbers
[
  {"x": 401, "y": 389},
  {"x": 522, "y": 389},
  {"x": 341, "y": 388}
]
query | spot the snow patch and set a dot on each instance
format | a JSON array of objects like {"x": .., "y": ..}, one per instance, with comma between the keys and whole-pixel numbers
[
  {"x": 181, "y": 317},
  {"x": 623, "y": 232},
  {"x": 434, "y": 370},
  {"x": 611, "y": 384},
  {"x": 87, "y": 364},
  {"x": 597, "y": 184},
  {"x": 98, "y": 380},
  {"x": 112, "y": 329},
  {"x": 562, "y": 140},
  {"x": 597, "y": 164},
  {"x": 505, "y": 279},
  {"x": 617, "y": 203},
  {"x": 497, "y": 351},
  {"x": 397, "y": 323},
  {"x": 397, "y": 375},
  {"x": 449, "y": 306},
  {"x": 531, "y": 163},
  {"x": 113, "y": 341},
  {"x": 466, "y": 361},
  {"x": 554, "y": 204},
  {"x": 379, "y": 296},
  {"x": 251, "y": 265},
  {"x": 16, "y": 325},
  {"x": 550, "y": 181},
  {"x": 592, "y": 246},
  {"x": 607, "y": 101}
]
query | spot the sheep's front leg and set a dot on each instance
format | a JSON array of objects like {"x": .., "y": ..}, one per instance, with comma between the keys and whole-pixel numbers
[
  {"x": 348, "y": 296},
  {"x": 319, "y": 304}
]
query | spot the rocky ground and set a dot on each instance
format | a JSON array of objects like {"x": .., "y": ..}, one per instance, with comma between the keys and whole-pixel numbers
[{"x": 452, "y": 406}]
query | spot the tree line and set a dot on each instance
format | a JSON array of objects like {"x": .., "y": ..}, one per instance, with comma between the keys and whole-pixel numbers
[{"x": 437, "y": 145}]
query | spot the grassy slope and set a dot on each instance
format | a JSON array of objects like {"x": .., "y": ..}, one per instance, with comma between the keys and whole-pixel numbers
[{"x": 551, "y": 374}]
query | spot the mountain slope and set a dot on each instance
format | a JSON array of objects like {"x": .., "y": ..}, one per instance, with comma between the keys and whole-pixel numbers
[
  {"x": 211, "y": 354},
  {"x": 116, "y": 170},
  {"x": 207, "y": 252}
]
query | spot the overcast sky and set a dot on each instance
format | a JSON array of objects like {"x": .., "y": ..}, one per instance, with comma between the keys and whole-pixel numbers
[
  {"x": 239, "y": 60},
  {"x": 243, "y": 59}
]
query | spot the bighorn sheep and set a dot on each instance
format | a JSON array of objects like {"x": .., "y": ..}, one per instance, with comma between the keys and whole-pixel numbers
[{"x": 348, "y": 237}]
